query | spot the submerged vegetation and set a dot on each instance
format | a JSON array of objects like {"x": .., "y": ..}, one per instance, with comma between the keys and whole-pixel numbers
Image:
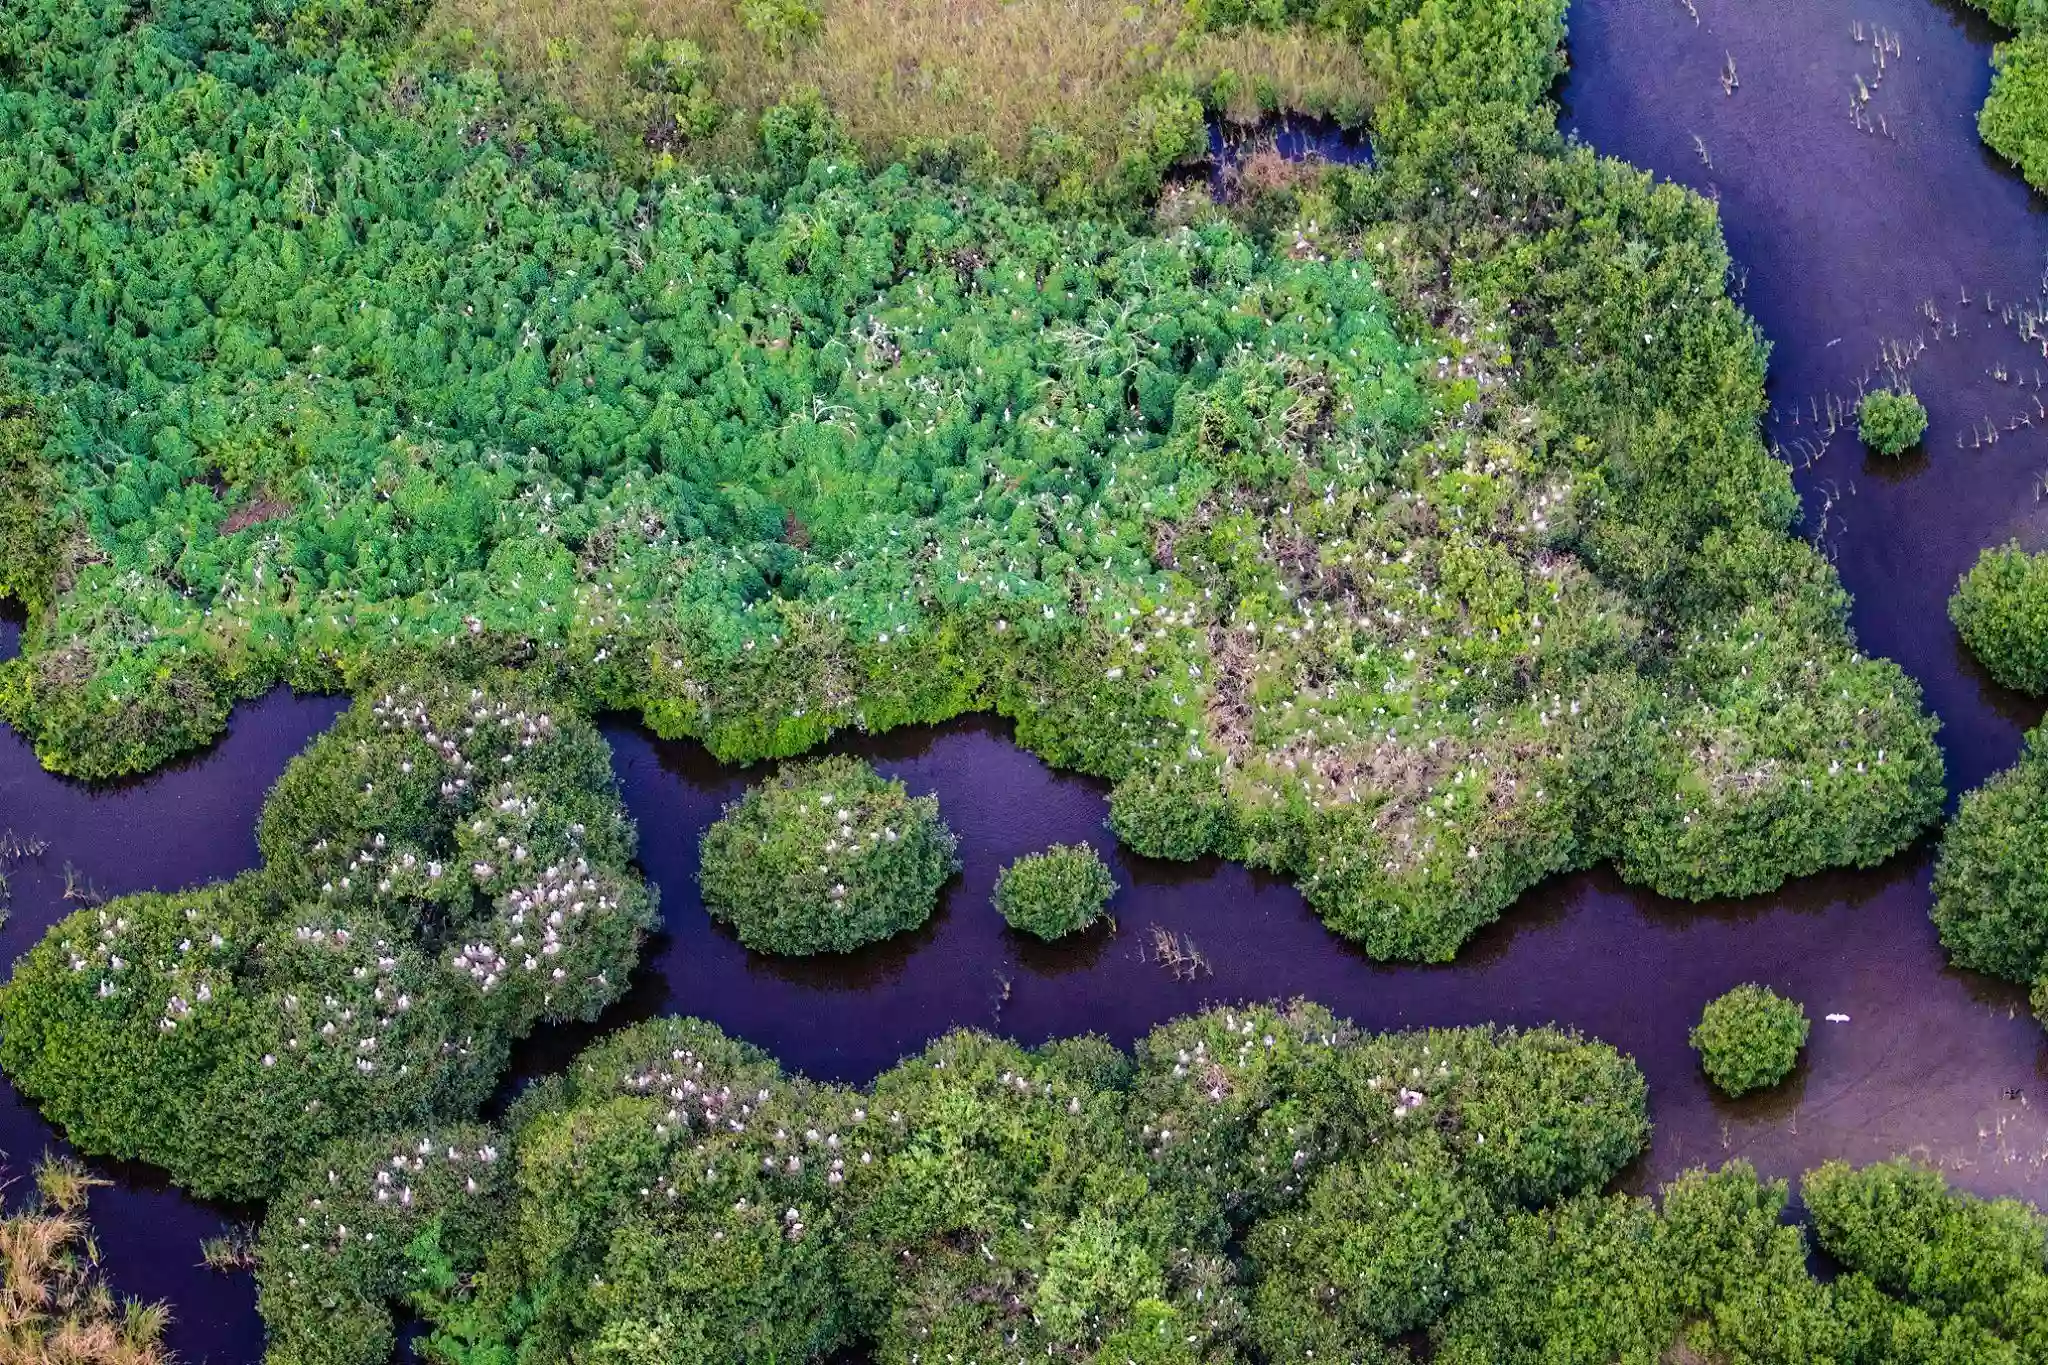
[
  {"x": 1055, "y": 893},
  {"x": 1250, "y": 1184},
  {"x": 1750, "y": 1038},
  {"x": 824, "y": 857},
  {"x": 446, "y": 868},
  {"x": 1416, "y": 543}
]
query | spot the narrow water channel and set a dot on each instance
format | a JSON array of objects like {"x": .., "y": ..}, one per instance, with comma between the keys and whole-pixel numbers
[{"x": 1845, "y": 238}]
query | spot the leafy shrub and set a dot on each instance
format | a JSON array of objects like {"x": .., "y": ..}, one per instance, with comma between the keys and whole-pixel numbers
[
  {"x": 446, "y": 868},
  {"x": 1749, "y": 1038},
  {"x": 1379, "y": 1247},
  {"x": 1990, "y": 888},
  {"x": 2000, "y": 607},
  {"x": 1055, "y": 893},
  {"x": 1891, "y": 423},
  {"x": 824, "y": 857}
]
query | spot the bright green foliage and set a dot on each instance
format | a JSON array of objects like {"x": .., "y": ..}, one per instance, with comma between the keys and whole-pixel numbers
[
  {"x": 29, "y": 531},
  {"x": 1891, "y": 423},
  {"x": 2000, "y": 607},
  {"x": 446, "y": 868},
  {"x": 1749, "y": 1038},
  {"x": 1990, "y": 887},
  {"x": 1580, "y": 1284},
  {"x": 1976, "y": 1270},
  {"x": 824, "y": 857},
  {"x": 781, "y": 25},
  {"x": 2014, "y": 120},
  {"x": 1055, "y": 893},
  {"x": 1414, "y": 613}
]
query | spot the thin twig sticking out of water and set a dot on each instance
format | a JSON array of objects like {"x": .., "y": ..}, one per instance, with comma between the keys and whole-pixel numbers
[
  {"x": 79, "y": 889},
  {"x": 1177, "y": 952}
]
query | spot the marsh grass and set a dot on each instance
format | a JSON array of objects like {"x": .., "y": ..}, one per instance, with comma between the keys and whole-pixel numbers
[
  {"x": 55, "y": 1308},
  {"x": 972, "y": 76}
]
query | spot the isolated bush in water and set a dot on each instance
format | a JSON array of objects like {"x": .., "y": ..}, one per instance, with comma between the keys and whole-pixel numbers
[
  {"x": 447, "y": 867},
  {"x": 2000, "y": 608},
  {"x": 1749, "y": 1038},
  {"x": 1055, "y": 893},
  {"x": 825, "y": 856},
  {"x": 1891, "y": 423}
]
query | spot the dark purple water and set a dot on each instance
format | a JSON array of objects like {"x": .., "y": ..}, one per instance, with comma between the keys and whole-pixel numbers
[{"x": 1843, "y": 235}]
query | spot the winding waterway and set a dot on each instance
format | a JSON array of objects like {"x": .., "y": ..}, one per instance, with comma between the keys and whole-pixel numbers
[{"x": 1846, "y": 237}]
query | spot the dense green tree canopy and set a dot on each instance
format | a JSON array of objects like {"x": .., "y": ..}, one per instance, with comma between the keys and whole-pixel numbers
[
  {"x": 1891, "y": 423},
  {"x": 443, "y": 870},
  {"x": 1254, "y": 1184}
]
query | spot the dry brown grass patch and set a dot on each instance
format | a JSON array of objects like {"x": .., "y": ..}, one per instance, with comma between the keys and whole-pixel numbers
[
  {"x": 55, "y": 1309},
  {"x": 898, "y": 71}
]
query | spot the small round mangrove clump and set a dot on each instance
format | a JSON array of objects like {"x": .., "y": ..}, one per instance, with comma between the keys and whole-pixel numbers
[
  {"x": 1750, "y": 1038},
  {"x": 1891, "y": 423},
  {"x": 1055, "y": 893},
  {"x": 824, "y": 857},
  {"x": 2000, "y": 608}
]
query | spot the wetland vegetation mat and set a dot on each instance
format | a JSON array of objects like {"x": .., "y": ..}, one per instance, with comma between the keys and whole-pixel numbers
[{"x": 1418, "y": 550}]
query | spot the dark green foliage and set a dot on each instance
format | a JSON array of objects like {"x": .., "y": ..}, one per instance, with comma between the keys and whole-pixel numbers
[
  {"x": 369, "y": 1223},
  {"x": 1379, "y": 1247},
  {"x": 1977, "y": 1268},
  {"x": 1891, "y": 423},
  {"x": 677, "y": 1197},
  {"x": 2000, "y": 607},
  {"x": 1990, "y": 885},
  {"x": 824, "y": 857},
  {"x": 1055, "y": 893},
  {"x": 445, "y": 869},
  {"x": 1749, "y": 1038},
  {"x": 1417, "y": 563},
  {"x": 1256, "y": 1185}
]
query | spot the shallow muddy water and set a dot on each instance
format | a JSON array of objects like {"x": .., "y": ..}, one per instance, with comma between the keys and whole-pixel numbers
[{"x": 1843, "y": 235}]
